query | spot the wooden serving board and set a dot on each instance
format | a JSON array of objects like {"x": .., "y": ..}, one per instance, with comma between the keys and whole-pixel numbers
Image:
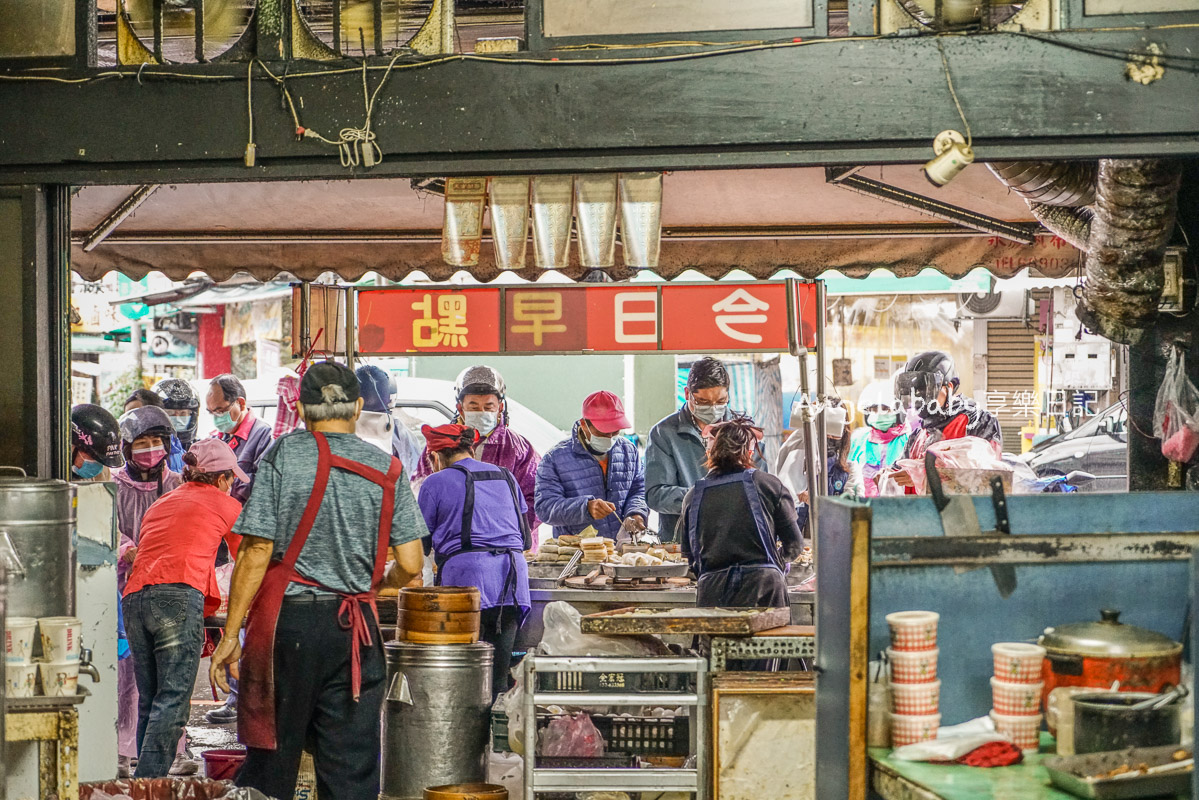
[{"x": 710, "y": 621}]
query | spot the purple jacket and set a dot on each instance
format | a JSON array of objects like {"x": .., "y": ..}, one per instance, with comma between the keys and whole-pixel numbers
[
  {"x": 509, "y": 450},
  {"x": 249, "y": 450},
  {"x": 570, "y": 476}
]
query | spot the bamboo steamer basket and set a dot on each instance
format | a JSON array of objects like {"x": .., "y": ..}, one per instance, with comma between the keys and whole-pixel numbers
[
  {"x": 439, "y": 615},
  {"x": 467, "y": 791}
]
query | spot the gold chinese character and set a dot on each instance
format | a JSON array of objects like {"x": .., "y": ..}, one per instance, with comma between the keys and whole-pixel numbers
[
  {"x": 537, "y": 308},
  {"x": 448, "y": 327}
]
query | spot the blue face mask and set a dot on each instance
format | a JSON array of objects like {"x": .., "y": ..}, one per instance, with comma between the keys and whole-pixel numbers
[{"x": 89, "y": 470}]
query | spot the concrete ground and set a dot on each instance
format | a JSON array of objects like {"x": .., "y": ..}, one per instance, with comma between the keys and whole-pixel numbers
[{"x": 203, "y": 735}]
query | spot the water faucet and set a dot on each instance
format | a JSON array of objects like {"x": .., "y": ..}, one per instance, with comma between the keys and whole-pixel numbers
[{"x": 85, "y": 665}]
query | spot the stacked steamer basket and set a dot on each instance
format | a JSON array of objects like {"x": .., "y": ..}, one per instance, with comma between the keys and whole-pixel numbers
[
  {"x": 1016, "y": 692},
  {"x": 915, "y": 690},
  {"x": 438, "y": 615}
]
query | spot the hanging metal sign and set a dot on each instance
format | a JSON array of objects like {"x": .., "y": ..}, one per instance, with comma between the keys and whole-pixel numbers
[{"x": 627, "y": 318}]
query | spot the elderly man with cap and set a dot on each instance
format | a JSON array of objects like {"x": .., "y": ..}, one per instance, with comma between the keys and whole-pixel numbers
[
  {"x": 482, "y": 405},
  {"x": 325, "y": 510},
  {"x": 377, "y": 425},
  {"x": 595, "y": 477}
]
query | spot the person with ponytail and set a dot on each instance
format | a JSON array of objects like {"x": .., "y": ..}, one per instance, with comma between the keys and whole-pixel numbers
[
  {"x": 478, "y": 520},
  {"x": 171, "y": 588},
  {"x": 738, "y": 525}
]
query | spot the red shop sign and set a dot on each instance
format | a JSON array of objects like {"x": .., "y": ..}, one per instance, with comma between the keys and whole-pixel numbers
[{"x": 429, "y": 321}]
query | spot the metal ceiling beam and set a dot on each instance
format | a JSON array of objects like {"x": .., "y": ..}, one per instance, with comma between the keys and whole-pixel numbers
[
  {"x": 119, "y": 214},
  {"x": 815, "y": 102},
  {"x": 848, "y": 177}
]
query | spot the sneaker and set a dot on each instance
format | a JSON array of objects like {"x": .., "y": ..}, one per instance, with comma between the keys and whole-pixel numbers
[
  {"x": 222, "y": 716},
  {"x": 183, "y": 766},
  {"x": 124, "y": 768}
]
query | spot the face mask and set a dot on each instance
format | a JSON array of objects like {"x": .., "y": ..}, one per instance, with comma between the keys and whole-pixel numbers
[
  {"x": 224, "y": 422},
  {"x": 89, "y": 470},
  {"x": 880, "y": 421},
  {"x": 180, "y": 423},
  {"x": 149, "y": 459},
  {"x": 482, "y": 421},
  {"x": 709, "y": 415},
  {"x": 600, "y": 444}
]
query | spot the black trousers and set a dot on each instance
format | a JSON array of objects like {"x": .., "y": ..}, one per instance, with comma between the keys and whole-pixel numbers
[
  {"x": 498, "y": 627},
  {"x": 314, "y": 706}
]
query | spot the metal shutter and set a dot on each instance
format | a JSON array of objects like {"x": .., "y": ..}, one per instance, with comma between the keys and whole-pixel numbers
[{"x": 1011, "y": 377}]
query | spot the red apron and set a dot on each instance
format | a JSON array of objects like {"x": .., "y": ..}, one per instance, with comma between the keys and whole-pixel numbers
[{"x": 256, "y": 700}]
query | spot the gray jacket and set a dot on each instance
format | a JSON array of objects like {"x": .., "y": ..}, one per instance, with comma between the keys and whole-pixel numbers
[{"x": 673, "y": 463}]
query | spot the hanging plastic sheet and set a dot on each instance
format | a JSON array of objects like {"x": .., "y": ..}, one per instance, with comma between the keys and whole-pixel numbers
[
  {"x": 552, "y": 195},
  {"x": 462, "y": 233},
  {"x": 595, "y": 216},
  {"x": 641, "y": 218},
  {"x": 508, "y": 198}
]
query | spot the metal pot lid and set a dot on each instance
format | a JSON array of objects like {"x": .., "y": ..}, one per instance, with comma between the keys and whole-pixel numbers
[{"x": 1108, "y": 638}]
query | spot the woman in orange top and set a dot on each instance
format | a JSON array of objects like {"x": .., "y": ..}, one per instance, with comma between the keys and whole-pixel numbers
[{"x": 169, "y": 591}]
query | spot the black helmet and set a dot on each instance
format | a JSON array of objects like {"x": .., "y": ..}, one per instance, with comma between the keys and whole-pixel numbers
[
  {"x": 178, "y": 395},
  {"x": 924, "y": 375},
  {"x": 96, "y": 433}
]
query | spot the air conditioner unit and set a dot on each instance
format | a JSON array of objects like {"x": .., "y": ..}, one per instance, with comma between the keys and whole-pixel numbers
[{"x": 995, "y": 305}]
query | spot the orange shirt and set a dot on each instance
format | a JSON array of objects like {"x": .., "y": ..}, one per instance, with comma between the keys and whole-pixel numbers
[{"x": 180, "y": 536}]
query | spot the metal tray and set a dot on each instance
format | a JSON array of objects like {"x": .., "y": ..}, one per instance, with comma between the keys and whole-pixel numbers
[
  {"x": 1071, "y": 774},
  {"x": 626, "y": 572},
  {"x": 44, "y": 703},
  {"x": 704, "y": 621}
]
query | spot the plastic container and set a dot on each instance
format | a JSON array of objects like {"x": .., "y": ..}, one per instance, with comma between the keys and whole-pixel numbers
[
  {"x": 913, "y": 630},
  {"x": 18, "y": 640},
  {"x": 912, "y": 667},
  {"x": 916, "y": 699},
  {"x": 222, "y": 765},
  {"x": 909, "y": 729},
  {"x": 1016, "y": 699},
  {"x": 20, "y": 680},
  {"x": 59, "y": 678},
  {"x": 1018, "y": 662},
  {"x": 1024, "y": 731},
  {"x": 60, "y": 638}
]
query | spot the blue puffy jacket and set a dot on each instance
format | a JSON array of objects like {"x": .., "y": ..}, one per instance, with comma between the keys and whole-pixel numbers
[{"x": 569, "y": 476}]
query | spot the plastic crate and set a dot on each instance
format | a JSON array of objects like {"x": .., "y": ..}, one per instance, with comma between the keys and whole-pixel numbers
[
  {"x": 499, "y": 732},
  {"x": 643, "y": 682}
]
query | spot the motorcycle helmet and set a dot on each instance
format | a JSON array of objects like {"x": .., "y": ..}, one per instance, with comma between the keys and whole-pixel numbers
[
  {"x": 96, "y": 433},
  {"x": 479, "y": 379},
  {"x": 178, "y": 395},
  {"x": 924, "y": 375},
  {"x": 145, "y": 421}
]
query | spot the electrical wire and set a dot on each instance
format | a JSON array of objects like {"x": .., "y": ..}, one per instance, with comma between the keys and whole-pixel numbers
[{"x": 954, "y": 94}]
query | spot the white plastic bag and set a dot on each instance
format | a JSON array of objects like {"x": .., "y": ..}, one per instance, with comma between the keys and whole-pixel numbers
[
  {"x": 952, "y": 742},
  {"x": 1176, "y": 413},
  {"x": 564, "y": 637}
]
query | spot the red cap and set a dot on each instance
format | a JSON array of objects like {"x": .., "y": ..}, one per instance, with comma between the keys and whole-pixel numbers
[
  {"x": 445, "y": 437},
  {"x": 605, "y": 411},
  {"x": 214, "y": 455}
]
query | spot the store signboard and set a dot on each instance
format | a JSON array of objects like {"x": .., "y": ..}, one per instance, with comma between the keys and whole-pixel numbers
[{"x": 687, "y": 318}]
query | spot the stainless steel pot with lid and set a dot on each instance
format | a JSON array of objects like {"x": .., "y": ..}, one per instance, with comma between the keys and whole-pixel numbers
[
  {"x": 37, "y": 544},
  {"x": 1108, "y": 638}
]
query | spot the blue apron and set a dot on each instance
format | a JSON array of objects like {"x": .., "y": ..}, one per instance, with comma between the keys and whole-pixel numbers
[{"x": 739, "y": 584}]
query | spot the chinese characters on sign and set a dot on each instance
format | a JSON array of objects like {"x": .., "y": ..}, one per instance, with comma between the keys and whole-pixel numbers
[
  {"x": 703, "y": 318},
  {"x": 1056, "y": 402}
]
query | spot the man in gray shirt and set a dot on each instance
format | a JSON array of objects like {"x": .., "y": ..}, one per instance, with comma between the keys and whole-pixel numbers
[{"x": 325, "y": 509}]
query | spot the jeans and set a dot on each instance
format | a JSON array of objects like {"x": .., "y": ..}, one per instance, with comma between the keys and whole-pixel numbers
[
  {"x": 165, "y": 626},
  {"x": 314, "y": 706}
]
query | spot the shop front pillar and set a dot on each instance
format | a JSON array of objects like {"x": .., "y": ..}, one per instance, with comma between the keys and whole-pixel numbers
[{"x": 35, "y": 328}]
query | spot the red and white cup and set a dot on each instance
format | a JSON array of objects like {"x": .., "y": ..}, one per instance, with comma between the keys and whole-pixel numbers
[
  {"x": 916, "y": 699},
  {"x": 1016, "y": 699},
  {"x": 1018, "y": 662},
  {"x": 913, "y": 630},
  {"x": 1024, "y": 731},
  {"x": 912, "y": 728},
  {"x": 913, "y": 667}
]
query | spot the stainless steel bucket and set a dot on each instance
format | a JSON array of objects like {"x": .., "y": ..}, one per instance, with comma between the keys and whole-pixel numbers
[
  {"x": 437, "y": 717},
  {"x": 37, "y": 543}
]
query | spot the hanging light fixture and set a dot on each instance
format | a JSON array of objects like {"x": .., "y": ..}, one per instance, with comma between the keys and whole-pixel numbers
[
  {"x": 552, "y": 196},
  {"x": 508, "y": 201},
  {"x": 641, "y": 218}
]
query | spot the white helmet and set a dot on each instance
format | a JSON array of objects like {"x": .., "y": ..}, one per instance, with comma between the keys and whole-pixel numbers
[
  {"x": 880, "y": 394},
  {"x": 479, "y": 379}
]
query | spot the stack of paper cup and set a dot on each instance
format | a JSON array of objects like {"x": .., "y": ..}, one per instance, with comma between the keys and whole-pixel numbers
[
  {"x": 1016, "y": 692},
  {"x": 59, "y": 671},
  {"x": 915, "y": 690},
  {"x": 20, "y": 671}
]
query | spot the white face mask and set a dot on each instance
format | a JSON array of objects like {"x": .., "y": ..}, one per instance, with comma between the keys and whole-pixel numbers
[
  {"x": 709, "y": 415},
  {"x": 601, "y": 444},
  {"x": 482, "y": 421}
]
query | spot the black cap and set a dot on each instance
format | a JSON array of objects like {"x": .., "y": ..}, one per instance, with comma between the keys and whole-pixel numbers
[{"x": 328, "y": 373}]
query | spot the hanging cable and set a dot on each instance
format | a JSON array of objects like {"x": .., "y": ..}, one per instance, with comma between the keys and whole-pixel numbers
[{"x": 954, "y": 94}]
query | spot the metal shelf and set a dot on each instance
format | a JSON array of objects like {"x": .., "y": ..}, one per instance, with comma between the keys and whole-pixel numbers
[
  {"x": 538, "y": 779},
  {"x": 615, "y": 699},
  {"x": 597, "y": 780}
]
